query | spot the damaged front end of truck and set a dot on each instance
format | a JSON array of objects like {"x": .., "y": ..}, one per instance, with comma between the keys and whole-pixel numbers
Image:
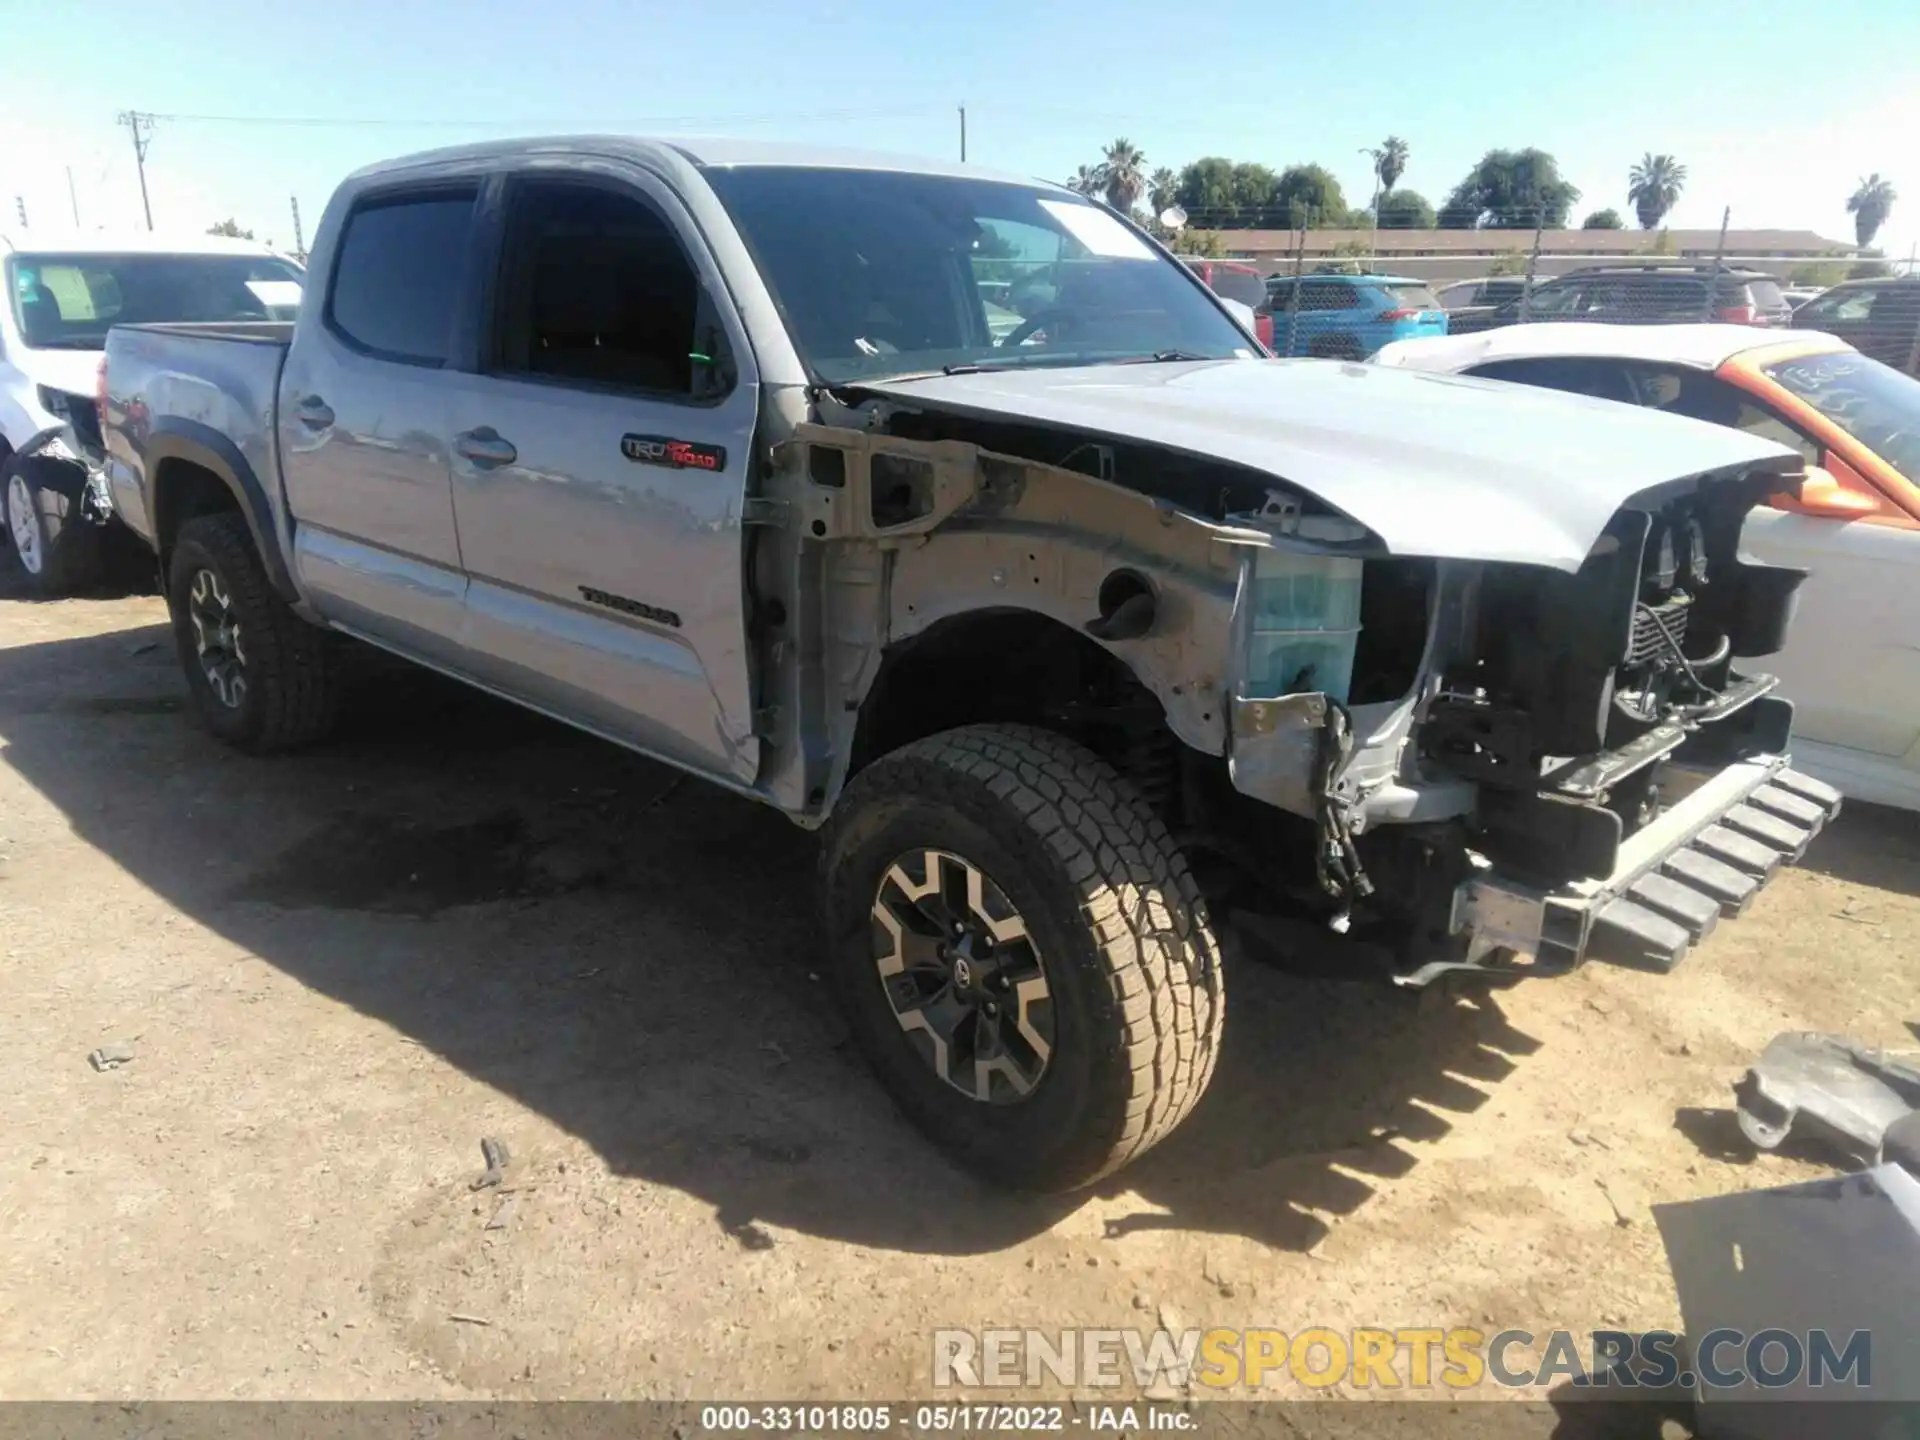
[{"x": 1390, "y": 688}]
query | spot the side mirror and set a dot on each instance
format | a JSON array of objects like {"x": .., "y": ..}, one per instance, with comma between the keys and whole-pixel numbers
[{"x": 1822, "y": 494}]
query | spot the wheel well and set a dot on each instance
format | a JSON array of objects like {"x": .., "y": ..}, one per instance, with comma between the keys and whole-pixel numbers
[
  {"x": 184, "y": 491},
  {"x": 1018, "y": 667}
]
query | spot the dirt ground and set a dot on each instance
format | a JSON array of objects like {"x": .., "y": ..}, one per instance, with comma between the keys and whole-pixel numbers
[{"x": 337, "y": 972}]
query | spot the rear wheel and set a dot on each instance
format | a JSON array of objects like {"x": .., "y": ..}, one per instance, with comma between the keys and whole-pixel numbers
[
  {"x": 262, "y": 678},
  {"x": 1022, "y": 953},
  {"x": 58, "y": 548}
]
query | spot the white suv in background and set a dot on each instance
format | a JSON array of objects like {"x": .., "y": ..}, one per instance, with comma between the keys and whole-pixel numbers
[{"x": 61, "y": 293}]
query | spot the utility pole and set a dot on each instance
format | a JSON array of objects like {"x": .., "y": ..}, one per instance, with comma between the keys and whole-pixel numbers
[
  {"x": 963, "y": 134},
  {"x": 73, "y": 198},
  {"x": 141, "y": 127},
  {"x": 299, "y": 240}
]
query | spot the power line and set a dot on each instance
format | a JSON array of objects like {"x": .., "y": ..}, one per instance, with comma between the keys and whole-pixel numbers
[{"x": 495, "y": 123}]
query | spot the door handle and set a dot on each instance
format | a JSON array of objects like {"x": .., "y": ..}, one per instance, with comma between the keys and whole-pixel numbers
[
  {"x": 313, "y": 412},
  {"x": 484, "y": 448}
]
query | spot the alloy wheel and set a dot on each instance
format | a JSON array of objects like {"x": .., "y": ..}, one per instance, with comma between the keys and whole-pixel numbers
[
  {"x": 962, "y": 975},
  {"x": 22, "y": 522},
  {"x": 217, "y": 639}
]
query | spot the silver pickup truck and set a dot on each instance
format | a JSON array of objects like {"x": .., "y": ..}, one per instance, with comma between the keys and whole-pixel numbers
[{"x": 947, "y": 512}]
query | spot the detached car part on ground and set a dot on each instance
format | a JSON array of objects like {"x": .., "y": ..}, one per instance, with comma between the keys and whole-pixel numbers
[
  {"x": 58, "y": 303},
  {"x": 1075, "y": 635}
]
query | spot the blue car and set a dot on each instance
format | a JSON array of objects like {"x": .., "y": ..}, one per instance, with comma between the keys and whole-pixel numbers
[{"x": 1348, "y": 317}]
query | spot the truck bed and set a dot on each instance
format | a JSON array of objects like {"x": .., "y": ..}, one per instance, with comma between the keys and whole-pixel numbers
[
  {"x": 257, "y": 332},
  {"x": 195, "y": 381}
]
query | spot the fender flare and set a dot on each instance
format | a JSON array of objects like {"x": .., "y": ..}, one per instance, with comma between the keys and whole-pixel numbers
[
  {"x": 189, "y": 441},
  {"x": 60, "y": 467}
]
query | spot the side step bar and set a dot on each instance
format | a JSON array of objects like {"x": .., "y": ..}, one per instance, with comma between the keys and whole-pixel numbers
[{"x": 1717, "y": 872}]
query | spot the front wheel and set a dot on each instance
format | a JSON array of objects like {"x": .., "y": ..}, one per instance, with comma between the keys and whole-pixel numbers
[
  {"x": 262, "y": 678},
  {"x": 58, "y": 547},
  {"x": 1022, "y": 953}
]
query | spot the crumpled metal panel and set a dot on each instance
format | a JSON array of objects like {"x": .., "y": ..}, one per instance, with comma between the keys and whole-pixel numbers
[
  {"x": 1828, "y": 1088},
  {"x": 1434, "y": 465}
]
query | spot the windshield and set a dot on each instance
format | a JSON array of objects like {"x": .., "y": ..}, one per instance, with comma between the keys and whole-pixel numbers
[
  {"x": 1412, "y": 297},
  {"x": 879, "y": 273},
  {"x": 67, "y": 302},
  {"x": 1235, "y": 282},
  {"x": 1874, "y": 403}
]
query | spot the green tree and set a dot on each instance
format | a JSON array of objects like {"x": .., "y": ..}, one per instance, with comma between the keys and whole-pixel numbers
[
  {"x": 1508, "y": 262},
  {"x": 1123, "y": 173},
  {"x": 1654, "y": 186},
  {"x": 1163, "y": 189},
  {"x": 1871, "y": 266},
  {"x": 1256, "y": 195},
  {"x": 1207, "y": 244},
  {"x": 1507, "y": 190},
  {"x": 1405, "y": 210},
  {"x": 1661, "y": 244},
  {"x": 1608, "y": 219},
  {"x": 1390, "y": 162},
  {"x": 1229, "y": 195},
  {"x": 1870, "y": 205},
  {"x": 231, "y": 228},
  {"x": 1086, "y": 181},
  {"x": 1205, "y": 190},
  {"x": 1309, "y": 195}
]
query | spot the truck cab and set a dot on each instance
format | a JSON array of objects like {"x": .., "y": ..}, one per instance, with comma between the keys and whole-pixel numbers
[{"x": 951, "y": 515}]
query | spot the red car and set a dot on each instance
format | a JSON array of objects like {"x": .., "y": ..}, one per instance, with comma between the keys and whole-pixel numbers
[{"x": 1234, "y": 280}]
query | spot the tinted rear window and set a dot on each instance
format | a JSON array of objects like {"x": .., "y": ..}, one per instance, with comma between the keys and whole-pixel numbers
[
  {"x": 1412, "y": 297},
  {"x": 1246, "y": 286},
  {"x": 398, "y": 276},
  {"x": 66, "y": 302}
]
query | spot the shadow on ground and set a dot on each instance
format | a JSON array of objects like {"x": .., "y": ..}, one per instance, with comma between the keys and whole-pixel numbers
[
  {"x": 631, "y": 955},
  {"x": 1878, "y": 846}
]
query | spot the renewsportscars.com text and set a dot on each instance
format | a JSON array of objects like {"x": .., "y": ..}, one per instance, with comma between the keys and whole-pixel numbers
[{"x": 1407, "y": 1358}]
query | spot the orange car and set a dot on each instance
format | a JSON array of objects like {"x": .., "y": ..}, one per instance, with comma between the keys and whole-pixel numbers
[{"x": 1853, "y": 664}]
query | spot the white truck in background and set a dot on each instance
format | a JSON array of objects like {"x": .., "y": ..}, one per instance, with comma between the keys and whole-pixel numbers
[{"x": 62, "y": 294}]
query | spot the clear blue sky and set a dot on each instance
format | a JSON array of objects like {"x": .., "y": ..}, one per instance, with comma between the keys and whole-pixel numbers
[{"x": 1777, "y": 109}]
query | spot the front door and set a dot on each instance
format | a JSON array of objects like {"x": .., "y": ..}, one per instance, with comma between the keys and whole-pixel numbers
[{"x": 599, "y": 461}]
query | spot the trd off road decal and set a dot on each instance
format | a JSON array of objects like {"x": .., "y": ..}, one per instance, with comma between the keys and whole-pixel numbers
[{"x": 674, "y": 454}]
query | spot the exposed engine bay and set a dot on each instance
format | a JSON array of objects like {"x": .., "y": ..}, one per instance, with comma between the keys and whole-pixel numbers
[{"x": 1359, "y": 736}]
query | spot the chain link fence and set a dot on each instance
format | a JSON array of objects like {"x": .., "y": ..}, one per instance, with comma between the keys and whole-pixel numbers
[{"x": 1344, "y": 293}]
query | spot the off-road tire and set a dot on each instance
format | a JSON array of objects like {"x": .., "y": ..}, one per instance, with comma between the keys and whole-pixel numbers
[
  {"x": 291, "y": 667},
  {"x": 67, "y": 545},
  {"x": 1129, "y": 953}
]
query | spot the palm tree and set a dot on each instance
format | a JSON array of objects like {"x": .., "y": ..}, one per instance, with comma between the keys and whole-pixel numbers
[
  {"x": 1390, "y": 161},
  {"x": 1123, "y": 169},
  {"x": 1870, "y": 206},
  {"x": 1163, "y": 188},
  {"x": 1654, "y": 187},
  {"x": 1087, "y": 180}
]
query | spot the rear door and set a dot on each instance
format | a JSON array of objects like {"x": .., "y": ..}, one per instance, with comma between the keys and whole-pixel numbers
[
  {"x": 362, "y": 417},
  {"x": 599, "y": 459}
]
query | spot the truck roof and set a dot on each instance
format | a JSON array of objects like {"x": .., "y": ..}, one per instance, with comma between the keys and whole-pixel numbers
[
  {"x": 129, "y": 242},
  {"x": 663, "y": 153}
]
